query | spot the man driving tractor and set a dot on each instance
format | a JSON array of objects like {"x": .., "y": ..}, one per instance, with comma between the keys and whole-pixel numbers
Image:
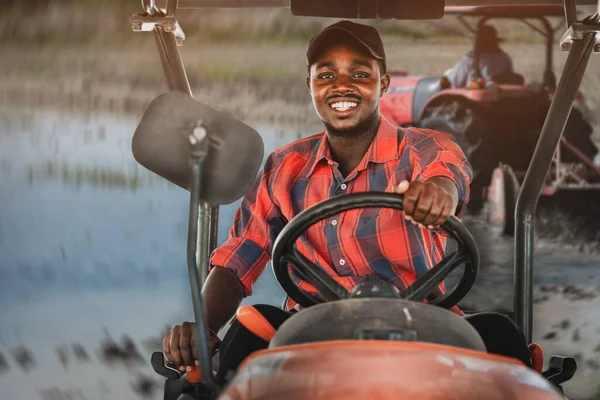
[
  {"x": 359, "y": 151},
  {"x": 494, "y": 64}
]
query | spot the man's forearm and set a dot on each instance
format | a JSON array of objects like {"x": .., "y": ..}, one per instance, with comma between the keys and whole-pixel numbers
[{"x": 222, "y": 293}]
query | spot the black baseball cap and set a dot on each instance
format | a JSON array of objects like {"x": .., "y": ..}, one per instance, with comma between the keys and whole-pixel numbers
[{"x": 365, "y": 36}]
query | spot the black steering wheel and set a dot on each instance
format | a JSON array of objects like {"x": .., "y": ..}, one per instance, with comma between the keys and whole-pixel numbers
[{"x": 285, "y": 253}]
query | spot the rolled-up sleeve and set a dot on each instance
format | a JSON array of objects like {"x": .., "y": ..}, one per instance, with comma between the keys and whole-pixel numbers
[
  {"x": 257, "y": 223},
  {"x": 438, "y": 154}
]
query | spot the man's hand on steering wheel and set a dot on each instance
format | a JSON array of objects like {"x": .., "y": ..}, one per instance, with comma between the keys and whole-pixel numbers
[{"x": 429, "y": 204}]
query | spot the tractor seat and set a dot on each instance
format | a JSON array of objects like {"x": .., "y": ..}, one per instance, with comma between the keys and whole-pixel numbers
[{"x": 377, "y": 317}]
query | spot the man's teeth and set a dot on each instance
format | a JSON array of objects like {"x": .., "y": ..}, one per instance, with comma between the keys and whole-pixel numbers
[{"x": 343, "y": 105}]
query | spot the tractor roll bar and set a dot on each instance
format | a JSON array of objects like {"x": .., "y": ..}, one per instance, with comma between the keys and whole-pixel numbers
[
  {"x": 580, "y": 40},
  {"x": 197, "y": 253}
]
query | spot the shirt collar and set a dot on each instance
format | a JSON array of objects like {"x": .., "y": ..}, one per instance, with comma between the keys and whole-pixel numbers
[{"x": 383, "y": 148}]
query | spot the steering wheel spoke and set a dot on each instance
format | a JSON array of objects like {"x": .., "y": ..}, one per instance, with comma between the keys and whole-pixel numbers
[
  {"x": 426, "y": 283},
  {"x": 320, "y": 279}
]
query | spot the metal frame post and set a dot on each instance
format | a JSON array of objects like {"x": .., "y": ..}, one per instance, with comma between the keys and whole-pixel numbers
[
  {"x": 171, "y": 61},
  {"x": 197, "y": 254},
  {"x": 202, "y": 218},
  {"x": 581, "y": 48},
  {"x": 570, "y": 12}
]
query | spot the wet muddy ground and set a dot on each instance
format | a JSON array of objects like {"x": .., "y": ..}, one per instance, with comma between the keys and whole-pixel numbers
[{"x": 566, "y": 296}]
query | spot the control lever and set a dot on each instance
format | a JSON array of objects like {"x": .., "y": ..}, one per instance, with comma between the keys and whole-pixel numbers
[
  {"x": 180, "y": 386},
  {"x": 160, "y": 367},
  {"x": 560, "y": 370}
]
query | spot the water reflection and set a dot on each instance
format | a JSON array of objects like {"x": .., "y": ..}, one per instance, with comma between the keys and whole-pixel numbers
[
  {"x": 80, "y": 213},
  {"x": 92, "y": 257},
  {"x": 98, "y": 176}
]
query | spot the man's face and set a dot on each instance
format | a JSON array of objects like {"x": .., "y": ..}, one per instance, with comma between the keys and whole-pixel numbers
[{"x": 345, "y": 86}]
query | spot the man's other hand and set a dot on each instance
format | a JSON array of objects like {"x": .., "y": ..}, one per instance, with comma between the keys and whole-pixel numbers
[
  {"x": 179, "y": 346},
  {"x": 428, "y": 204}
]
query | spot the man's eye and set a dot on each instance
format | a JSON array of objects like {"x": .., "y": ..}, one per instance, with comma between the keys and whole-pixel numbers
[
  {"x": 361, "y": 75},
  {"x": 326, "y": 75}
]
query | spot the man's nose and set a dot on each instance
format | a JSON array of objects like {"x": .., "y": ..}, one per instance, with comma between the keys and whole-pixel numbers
[{"x": 342, "y": 84}]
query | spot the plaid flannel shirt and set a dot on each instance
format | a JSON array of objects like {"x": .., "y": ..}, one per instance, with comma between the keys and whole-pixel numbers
[{"x": 357, "y": 245}]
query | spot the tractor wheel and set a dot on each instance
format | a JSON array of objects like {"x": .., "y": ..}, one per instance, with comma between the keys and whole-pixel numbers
[
  {"x": 468, "y": 128},
  {"x": 502, "y": 199}
]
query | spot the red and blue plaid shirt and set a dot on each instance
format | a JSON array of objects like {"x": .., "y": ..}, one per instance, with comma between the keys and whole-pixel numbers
[{"x": 357, "y": 245}]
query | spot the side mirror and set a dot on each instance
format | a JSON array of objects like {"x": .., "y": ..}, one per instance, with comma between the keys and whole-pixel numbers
[{"x": 161, "y": 143}]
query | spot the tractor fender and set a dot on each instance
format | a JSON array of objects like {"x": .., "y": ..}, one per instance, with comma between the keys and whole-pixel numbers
[{"x": 474, "y": 99}]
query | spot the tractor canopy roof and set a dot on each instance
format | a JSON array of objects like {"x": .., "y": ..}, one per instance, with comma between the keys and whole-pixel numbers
[{"x": 407, "y": 8}]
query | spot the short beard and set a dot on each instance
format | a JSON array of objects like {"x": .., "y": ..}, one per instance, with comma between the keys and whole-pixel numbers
[{"x": 366, "y": 127}]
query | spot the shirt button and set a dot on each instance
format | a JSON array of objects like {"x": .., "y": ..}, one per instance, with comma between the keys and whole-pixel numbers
[
  {"x": 334, "y": 222},
  {"x": 342, "y": 262},
  {"x": 343, "y": 186}
]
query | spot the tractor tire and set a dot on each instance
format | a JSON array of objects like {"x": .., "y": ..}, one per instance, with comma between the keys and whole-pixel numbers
[
  {"x": 502, "y": 199},
  {"x": 457, "y": 119},
  {"x": 468, "y": 128}
]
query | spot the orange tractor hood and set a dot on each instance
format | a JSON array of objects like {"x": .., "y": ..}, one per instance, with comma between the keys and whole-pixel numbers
[{"x": 384, "y": 370}]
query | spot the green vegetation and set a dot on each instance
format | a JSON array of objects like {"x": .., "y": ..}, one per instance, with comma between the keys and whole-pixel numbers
[{"x": 228, "y": 72}]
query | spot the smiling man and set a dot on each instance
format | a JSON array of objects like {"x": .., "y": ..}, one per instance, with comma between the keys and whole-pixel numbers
[{"x": 358, "y": 151}]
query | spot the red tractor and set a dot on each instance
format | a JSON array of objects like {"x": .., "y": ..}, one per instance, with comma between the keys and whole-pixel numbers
[{"x": 497, "y": 123}]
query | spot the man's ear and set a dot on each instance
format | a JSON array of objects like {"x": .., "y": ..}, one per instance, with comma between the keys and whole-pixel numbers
[
  {"x": 385, "y": 84},
  {"x": 308, "y": 84}
]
